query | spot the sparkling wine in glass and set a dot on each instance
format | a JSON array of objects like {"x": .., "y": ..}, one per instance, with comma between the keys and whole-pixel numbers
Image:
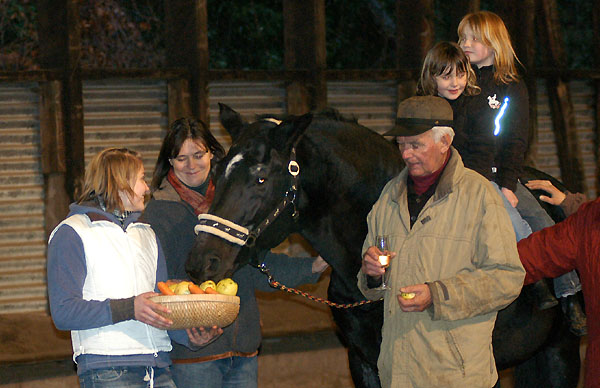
[{"x": 382, "y": 243}]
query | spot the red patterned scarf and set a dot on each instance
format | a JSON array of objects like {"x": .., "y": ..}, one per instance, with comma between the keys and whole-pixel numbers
[{"x": 199, "y": 202}]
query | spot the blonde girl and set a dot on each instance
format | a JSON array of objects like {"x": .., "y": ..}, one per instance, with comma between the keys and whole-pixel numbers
[
  {"x": 103, "y": 265},
  {"x": 485, "y": 40}
]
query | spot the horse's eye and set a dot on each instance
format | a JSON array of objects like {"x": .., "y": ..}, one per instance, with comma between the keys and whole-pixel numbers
[{"x": 261, "y": 181}]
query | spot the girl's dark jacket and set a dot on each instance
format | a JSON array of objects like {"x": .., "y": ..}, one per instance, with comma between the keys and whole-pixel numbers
[{"x": 474, "y": 125}]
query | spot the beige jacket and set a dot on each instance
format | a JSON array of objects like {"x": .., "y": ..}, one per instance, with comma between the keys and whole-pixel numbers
[{"x": 464, "y": 246}]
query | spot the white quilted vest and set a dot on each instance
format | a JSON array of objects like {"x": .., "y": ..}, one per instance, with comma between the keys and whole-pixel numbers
[{"x": 120, "y": 264}]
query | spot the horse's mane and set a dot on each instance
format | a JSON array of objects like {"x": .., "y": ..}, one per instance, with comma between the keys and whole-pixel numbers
[{"x": 326, "y": 113}]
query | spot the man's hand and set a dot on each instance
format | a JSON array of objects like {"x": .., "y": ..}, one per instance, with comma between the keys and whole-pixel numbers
[
  {"x": 370, "y": 262},
  {"x": 556, "y": 196},
  {"x": 512, "y": 198},
  {"x": 203, "y": 335},
  {"x": 420, "y": 301},
  {"x": 145, "y": 311}
]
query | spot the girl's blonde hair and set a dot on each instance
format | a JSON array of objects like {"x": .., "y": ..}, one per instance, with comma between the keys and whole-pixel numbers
[
  {"x": 110, "y": 171},
  {"x": 491, "y": 31},
  {"x": 442, "y": 59}
]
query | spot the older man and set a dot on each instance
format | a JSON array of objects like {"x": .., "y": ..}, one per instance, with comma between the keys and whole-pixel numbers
[{"x": 455, "y": 264}]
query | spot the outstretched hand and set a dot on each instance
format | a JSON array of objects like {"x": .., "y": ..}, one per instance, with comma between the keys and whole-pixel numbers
[
  {"x": 556, "y": 196},
  {"x": 146, "y": 311}
]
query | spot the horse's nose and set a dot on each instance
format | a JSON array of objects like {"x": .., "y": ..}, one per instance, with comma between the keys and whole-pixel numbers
[
  {"x": 213, "y": 262},
  {"x": 203, "y": 268}
]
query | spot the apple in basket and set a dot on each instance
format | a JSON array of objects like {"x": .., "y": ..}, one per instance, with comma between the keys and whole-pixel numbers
[
  {"x": 190, "y": 306},
  {"x": 227, "y": 287},
  {"x": 208, "y": 284}
]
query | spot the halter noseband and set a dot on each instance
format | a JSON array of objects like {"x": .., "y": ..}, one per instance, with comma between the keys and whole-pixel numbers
[{"x": 240, "y": 235}]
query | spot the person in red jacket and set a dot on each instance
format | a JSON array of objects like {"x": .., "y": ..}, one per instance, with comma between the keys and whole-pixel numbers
[{"x": 568, "y": 245}]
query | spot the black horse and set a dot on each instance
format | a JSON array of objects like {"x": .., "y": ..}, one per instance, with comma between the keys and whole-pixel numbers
[{"x": 319, "y": 176}]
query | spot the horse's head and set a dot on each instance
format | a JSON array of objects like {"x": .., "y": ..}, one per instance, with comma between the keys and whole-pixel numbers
[{"x": 255, "y": 195}]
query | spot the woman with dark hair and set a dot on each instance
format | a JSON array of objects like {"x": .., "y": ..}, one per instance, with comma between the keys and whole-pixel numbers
[
  {"x": 182, "y": 188},
  {"x": 200, "y": 145}
]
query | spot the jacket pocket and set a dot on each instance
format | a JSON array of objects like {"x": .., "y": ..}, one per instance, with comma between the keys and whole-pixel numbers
[{"x": 455, "y": 351}]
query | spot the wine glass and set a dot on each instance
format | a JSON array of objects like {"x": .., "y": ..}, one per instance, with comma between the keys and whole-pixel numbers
[{"x": 382, "y": 243}]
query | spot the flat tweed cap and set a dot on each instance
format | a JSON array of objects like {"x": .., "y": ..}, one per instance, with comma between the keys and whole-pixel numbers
[{"x": 419, "y": 114}]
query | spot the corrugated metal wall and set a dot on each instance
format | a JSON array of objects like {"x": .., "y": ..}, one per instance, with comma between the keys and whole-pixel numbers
[
  {"x": 134, "y": 114},
  {"x": 247, "y": 98},
  {"x": 123, "y": 113},
  {"x": 22, "y": 236},
  {"x": 373, "y": 104}
]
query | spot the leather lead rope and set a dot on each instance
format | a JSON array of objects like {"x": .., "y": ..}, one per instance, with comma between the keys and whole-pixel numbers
[{"x": 275, "y": 284}]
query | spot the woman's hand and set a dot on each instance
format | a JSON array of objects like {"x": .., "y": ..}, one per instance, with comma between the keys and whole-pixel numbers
[
  {"x": 319, "y": 265},
  {"x": 556, "y": 196},
  {"x": 201, "y": 336},
  {"x": 512, "y": 198},
  {"x": 145, "y": 311}
]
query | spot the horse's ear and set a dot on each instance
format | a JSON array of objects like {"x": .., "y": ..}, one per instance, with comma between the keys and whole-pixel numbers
[
  {"x": 231, "y": 120},
  {"x": 287, "y": 133}
]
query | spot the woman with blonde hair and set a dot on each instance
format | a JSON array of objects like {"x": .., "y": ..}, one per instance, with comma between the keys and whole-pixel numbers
[{"x": 103, "y": 265}]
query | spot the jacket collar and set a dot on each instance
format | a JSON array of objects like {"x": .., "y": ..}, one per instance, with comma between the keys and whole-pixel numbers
[
  {"x": 96, "y": 214},
  {"x": 166, "y": 192},
  {"x": 450, "y": 176}
]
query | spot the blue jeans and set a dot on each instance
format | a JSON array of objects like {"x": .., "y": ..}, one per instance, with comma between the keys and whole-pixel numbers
[
  {"x": 230, "y": 372},
  {"x": 127, "y": 376},
  {"x": 538, "y": 219},
  {"x": 531, "y": 210},
  {"x": 522, "y": 228}
]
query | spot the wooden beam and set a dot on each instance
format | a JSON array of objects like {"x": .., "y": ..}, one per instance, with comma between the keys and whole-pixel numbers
[
  {"x": 561, "y": 106},
  {"x": 187, "y": 47},
  {"x": 304, "y": 42},
  {"x": 178, "y": 91},
  {"x": 52, "y": 140},
  {"x": 59, "y": 34},
  {"x": 415, "y": 36},
  {"x": 458, "y": 10},
  {"x": 51, "y": 128}
]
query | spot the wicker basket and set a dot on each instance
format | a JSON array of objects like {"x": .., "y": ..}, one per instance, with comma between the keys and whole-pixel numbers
[{"x": 197, "y": 310}]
